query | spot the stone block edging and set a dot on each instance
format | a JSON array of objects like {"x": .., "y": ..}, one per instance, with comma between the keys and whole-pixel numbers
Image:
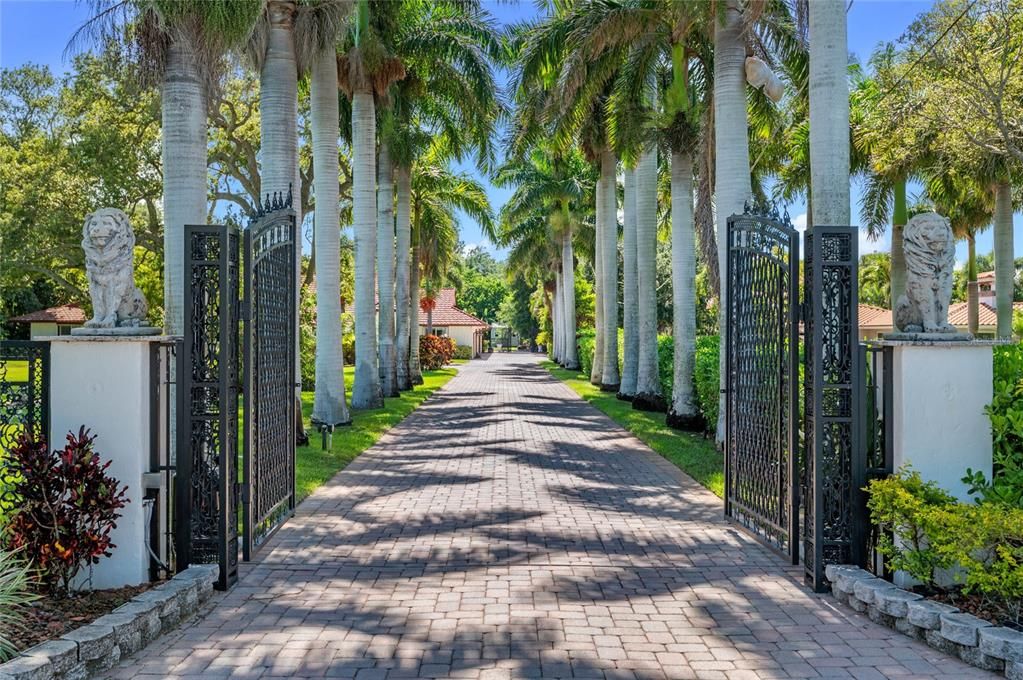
[
  {"x": 942, "y": 626},
  {"x": 99, "y": 645}
]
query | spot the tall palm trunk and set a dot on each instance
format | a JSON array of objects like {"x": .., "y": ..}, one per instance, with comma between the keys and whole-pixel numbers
[
  {"x": 829, "y": 113},
  {"x": 898, "y": 266},
  {"x": 557, "y": 321},
  {"x": 731, "y": 153},
  {"x": 184, "y": 170},
  {"x": 415, "y": 370},
  {"x": 366, "y": 391},
  {"x": 609, "y": 378},
  {"x": 648, "y": 381},
  {"x": 597, "y": 369},
  {"x": 683, "y": 413},
  {"x": 568, "y": 277},
  {"x": 403, "y": 181},
  {"x": 1005, "y": 272},
  {"x": 972, "y": 288},
  {"x": 385, "y": 273},
  {"x": 630, "y": 352},
  {"x": 329, "y": 406},
  {"x": 278, "y": 133}
]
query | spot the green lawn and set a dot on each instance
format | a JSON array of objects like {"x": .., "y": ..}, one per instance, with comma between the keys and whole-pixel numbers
[
  {"x": 692, "y": 453},
  {"x": 15, "y": 370},
  {"x": 314, "y": 466}
]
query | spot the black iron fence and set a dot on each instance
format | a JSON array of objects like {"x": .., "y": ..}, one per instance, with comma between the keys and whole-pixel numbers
[
  {"x": 24, "y": 390},
  {"x": 877, "y": 436}
]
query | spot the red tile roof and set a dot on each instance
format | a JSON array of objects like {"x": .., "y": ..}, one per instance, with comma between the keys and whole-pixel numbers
[
  {"x": 875, "y": 317},
  {"x": 958, "y": 315},
  {"x": 69, "y": 314},
  {"x": 445, "y": 313}
]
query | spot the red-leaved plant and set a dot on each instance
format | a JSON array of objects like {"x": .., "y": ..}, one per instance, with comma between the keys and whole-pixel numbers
[
  {"x": 67, "y": 505},
  {"x": 435, "y": 351}
]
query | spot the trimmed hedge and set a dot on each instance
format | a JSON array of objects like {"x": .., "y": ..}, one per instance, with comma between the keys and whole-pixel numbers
[
  {"x": 705, "y": 373},
  {"x": 463, "y": 352}
]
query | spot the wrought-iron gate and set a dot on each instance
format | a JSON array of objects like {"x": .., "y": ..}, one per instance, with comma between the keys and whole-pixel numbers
[
  {"x": 236, "y": 348},
  {"x": 762, "y": 355},
  {"x": 834, "y": 474},
  {"x": 771, "y": 472},
  {"x": 269, "y": 312},
  {"x": 206, "y": 488}
]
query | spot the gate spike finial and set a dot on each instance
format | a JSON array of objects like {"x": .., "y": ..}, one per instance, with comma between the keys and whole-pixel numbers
[{"x": 289, "y": 201}]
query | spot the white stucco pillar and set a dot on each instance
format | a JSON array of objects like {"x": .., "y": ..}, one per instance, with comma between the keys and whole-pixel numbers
[
  {"x": 939, "y": 392},
  {"x": 104, "y": 383}
]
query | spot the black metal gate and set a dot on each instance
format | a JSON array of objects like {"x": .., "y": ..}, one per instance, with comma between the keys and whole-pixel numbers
[
  {"x": 270, "y": 381},
  {"x": 237, "y": 351},
  {"x": 835, "y": 465},
  {"x": 206, "y": 483},
  {"x": 762, "y": 355}
]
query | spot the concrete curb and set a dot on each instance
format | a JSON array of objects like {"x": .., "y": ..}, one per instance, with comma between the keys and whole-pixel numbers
[
  {"x": 943, "y": 627},
  {"x": 98, "y": 646}
]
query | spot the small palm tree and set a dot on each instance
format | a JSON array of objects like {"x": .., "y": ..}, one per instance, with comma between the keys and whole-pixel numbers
[
  {"x": 435, "y": 194},
  {"x": 553, "y": 185}
]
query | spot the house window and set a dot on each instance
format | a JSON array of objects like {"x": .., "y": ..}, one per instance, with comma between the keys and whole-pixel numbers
[
  {"x": 64, "y": 329},
  {"x": 440, "y": 332}
]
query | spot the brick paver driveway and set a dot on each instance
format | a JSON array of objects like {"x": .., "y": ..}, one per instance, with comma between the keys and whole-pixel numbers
[{"x": 508, "y": 529}]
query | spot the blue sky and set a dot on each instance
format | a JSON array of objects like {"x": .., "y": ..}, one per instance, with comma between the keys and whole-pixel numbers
[{"x": 38, "y": 30}]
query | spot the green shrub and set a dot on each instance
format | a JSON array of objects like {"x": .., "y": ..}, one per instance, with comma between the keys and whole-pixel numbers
[
  {"x": 15, "y": 595},
  {"x": 705, "y": 379},
  {"x": 907, "y": 510},
  {"x": 586, "y": 339},
  {"x": 666, "y": 364},
  {"x": 463, "y": 352},
  {"x": 982, "y": 542},
  {"x": 1006, "y": 415}
]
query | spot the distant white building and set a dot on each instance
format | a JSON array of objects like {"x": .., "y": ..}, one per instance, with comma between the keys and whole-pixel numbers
[{"x": 449, "y": 320}]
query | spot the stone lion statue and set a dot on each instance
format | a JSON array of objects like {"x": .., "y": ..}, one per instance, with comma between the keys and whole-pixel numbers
[
  {"x": 930, "y": 258},
  {"x": 109, "y": 243}
]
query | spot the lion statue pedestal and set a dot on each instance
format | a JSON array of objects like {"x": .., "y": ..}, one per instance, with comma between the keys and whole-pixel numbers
[{"x": 118, "y": 306}]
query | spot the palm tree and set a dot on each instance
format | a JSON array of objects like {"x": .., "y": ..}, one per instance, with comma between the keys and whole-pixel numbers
[
  {"x": 329, "y": 407},
  {"x": 732, "y": 177},
  {"x": 436, "y": 193},
  {"x": 829, "y": 113},
  {"x": 648, "y": 381},
  {"x": 365, "y": 70},
  {"x": 447, "y": 101},
  {"x": 272, "y": 48},
  {"x": 179, "y": 45},
  {"x": 386, "y": 355},
  {"x": 553, "y": 184},
  {"x": 630, "y": 316}
]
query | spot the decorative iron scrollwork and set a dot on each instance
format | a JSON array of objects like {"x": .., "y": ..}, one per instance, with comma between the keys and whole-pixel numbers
[{"x": 761, "y": 445}]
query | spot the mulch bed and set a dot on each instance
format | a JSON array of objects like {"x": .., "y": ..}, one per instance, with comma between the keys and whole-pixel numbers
[
  {"x": 49, "y": 618},
  {"x": 989, "y": 610}
]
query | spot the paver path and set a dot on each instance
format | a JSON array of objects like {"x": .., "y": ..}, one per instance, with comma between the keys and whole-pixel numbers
[{"x": 508, "y": 529}]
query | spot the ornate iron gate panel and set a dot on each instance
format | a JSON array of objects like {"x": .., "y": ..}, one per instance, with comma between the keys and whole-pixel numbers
[
  {"x": 762, "y": 350},
  {"x": 834, "y": 518},
  {"x": 24, "y": 390},
  {"x": 270, "y": 381},
  {"x": 206, "y": 503}
]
